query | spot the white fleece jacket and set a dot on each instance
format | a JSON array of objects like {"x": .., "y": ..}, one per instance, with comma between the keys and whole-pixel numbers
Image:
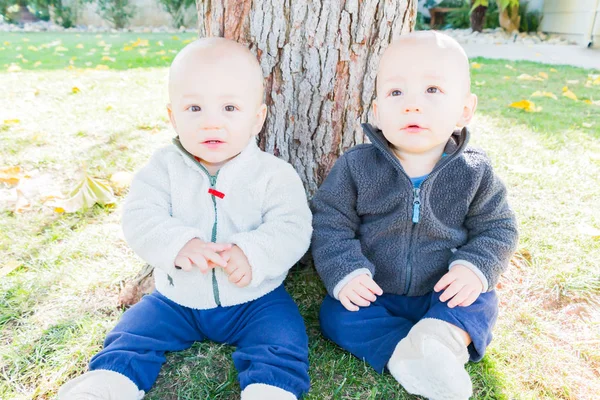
[{"x": 264, "y": 211}]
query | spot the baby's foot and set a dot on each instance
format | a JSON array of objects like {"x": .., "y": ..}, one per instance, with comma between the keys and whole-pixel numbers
[
  {"x": 100, "y": 384},
  {"x": 430, "y": 362}
]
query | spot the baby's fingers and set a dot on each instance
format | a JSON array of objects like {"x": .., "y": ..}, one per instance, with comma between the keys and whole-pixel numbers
[
  {"x": 348, "y": 304},
  {"x": 470, "y": 300},
  {"x": 215, "y": 258},
  {"x": 365, "y": 293},
  {"x": 450, "y": 291},
  {"x": 358, "y": 300},
  {"x": 218, "y": 247},
  {"x": 370, "y": 284},
  {"x": 183, "y": 263},
  {"x": 444, "y": 282},
  {"x": 461, "y": 296}
]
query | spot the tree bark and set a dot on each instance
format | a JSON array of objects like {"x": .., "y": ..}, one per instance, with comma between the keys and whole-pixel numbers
[
  {"x": 319, "y": 58},
  {"x": 478, "y": 17}
]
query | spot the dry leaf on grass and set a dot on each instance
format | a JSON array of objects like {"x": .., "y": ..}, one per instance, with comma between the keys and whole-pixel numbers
[{"x": 88, "y": 192}]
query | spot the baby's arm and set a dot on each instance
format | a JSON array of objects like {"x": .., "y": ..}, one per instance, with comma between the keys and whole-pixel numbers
[
  {"x": 492, "y": 239},
  {"x": 336, "y": 249},
  {"x": 284, "y": 235},
  {"x": 151, "y": 231}
]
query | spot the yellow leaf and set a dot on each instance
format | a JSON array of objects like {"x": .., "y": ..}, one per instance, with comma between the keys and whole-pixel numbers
[
  {"x": 86, "y": 193},
  {"x": 506, "y": 78},
  {"x": 186, "y": 41},
  {"x": 25, "y": 39},
  {"x": 587, "y": 101},
  {"x": 102, "y": 67},
  {"x": 127, "y": 48},
  {"x": 539, "y": 93},
  {"x": 553, "y": 70},
  {"x": 543, "y": 75},
  {"x": 570, "y": 95},
  {"x": 107, "y": 58},
  {"x": 10, "y": 175},
  {"x": 165, "y": 58},
  {"x": 80, "y": 46},
  {"x": 527, "y": 77},
  {"x": 175, "y": 37},
  {"x": 101, "y": 43},
  {"x": 109, "y": 107},
  {"x": 9, "y": 267},
  {"x": 160, "y": 53},
  {"x": 75, "y": 90},
  {"x": 37, "y": 63},
  {"x": 475, "y": 65},
  {"x": 509, "y": 67},
  {"x": 538, "y": 54},
  {"x": 140, "y": 43},
  {"x": 12, "y": 121},
  {"x": 526, "y": 105},
  {"x": 478, "y": 83},
  {"x": 597, "y": 81},
  {"x": 7, "y": 43},
  {"x": 60, "y": 48},
  {"x": 14, "y": 68},
  {"x": 32, "y": 48}
]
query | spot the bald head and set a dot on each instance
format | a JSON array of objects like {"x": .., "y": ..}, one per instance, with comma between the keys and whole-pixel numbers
[
  {"x": 428, "y": 50},
  {"x": 219, "y": 57}
]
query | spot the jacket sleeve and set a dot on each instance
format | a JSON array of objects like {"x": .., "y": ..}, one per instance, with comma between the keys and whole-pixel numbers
[
  {"x": 283, "y": 237},
  {"x": 336, "y": 249},
  {"x": 148, "y": 226},
  {"x": 492, "y": 231}
]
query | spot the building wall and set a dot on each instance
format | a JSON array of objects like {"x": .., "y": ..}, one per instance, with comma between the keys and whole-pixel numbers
[{"x": 574, "y": 19}]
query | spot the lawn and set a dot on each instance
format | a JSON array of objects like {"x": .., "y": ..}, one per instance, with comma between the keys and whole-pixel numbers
[{"x": 61, "y": 273}]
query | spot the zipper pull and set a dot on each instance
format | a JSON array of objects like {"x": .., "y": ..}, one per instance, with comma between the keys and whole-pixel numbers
[{"x": 416, "y": 206}]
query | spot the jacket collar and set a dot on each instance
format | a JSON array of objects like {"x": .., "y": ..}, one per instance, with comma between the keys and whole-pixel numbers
[
  {"x": 248, "y": 153},
  {"x": 456, "y": 144}
]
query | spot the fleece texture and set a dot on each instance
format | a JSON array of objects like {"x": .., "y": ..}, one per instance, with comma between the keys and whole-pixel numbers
[
  {"x": 257, "y": 202},
  {"x": 367, "y": 215}
]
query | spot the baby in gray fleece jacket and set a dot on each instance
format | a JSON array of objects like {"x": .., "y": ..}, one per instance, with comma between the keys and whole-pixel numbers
[{"x": 412, "y": 231}]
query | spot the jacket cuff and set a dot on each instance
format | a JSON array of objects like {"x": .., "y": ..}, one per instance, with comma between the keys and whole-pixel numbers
[
  {"x": 348, "y": 278},
  {"x": 473, "y": 269}
]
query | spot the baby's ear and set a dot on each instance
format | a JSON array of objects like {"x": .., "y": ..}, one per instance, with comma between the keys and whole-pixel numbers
[
  {"x": 468, "y": 110},
  {"x": 375, "y": 112},
  {"x": 261, "y": 115},
  {"x": 171, "y": 116}
]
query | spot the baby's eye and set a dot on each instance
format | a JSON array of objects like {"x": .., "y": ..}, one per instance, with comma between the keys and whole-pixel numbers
[
  {"x": 396, "y": 93},
  {"x": 229, "y": 108},
  {"x": 194, "y": 108},
  {"x": 433, "y": 90}
]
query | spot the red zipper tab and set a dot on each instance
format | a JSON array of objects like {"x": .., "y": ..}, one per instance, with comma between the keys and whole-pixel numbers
[{"x": 216, "y": 193}]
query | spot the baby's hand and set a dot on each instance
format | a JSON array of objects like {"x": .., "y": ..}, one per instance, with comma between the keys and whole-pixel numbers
[
  {"x": 238, "y": 268},
  {"x": 360, "y": 291},
  {"x": 201, "y": 254},
  {"x": 462, "y": 286}
]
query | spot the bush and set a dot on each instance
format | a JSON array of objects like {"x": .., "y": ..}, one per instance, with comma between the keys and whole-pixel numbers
[
  {"x": 65, "y": 14},
  {"x": 117, "y": 12},
  {"x": 461, "y": 17},
  {"x": 530, "y": 21},
  {"x": 177, "y": 10}
]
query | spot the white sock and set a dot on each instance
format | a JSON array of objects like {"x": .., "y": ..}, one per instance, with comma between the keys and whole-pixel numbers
[
  {"x": 100, "y": 384},
  {"x": 430, "y": 361},
  {"x": 261, "y": 391}
]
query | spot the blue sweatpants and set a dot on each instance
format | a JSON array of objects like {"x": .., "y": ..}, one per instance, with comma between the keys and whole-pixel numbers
[
  {"x": 269, "y": 333},
  {"x": 373, "y": 332}
]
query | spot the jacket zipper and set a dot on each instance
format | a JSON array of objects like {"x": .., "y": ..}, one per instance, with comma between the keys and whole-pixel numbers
[{"x": 213, "y": 182}]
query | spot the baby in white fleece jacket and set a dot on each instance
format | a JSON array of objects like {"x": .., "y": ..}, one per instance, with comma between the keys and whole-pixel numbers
[{"x": 222, "y": 222}]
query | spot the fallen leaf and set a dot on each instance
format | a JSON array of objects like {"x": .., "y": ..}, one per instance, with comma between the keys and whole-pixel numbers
[
  {"x": 109, "y": 107},
  {"x": 9, "y": 267},
  {"x": 37, "y": 63},
  {"x": 102, "y": 67},
  {"x": 80, "y": 46},
  {"x": 186, "y": 41},
  {"x": 160, "y": 53},
  {"x": 175, "y": 37},
  {"x": 143, "y": 52},
  {"x": 75, "y": 90},
  {"x": 107, "y": 58},
  {"x": 553, "y": 70},
  {"x": 127, "y": 48},
  {"x": 543, "y": 75},
  {"x": 527, "y": 77},
  {"x": 544, "y": 94},
  {"x": 596, "y": 81},
  {"x": 60, "y": 48},
  {"x": 86, "y": 193},
  {"x": 140, "y": 43},
  {"x": 160, "y": 43},
  {"x": 10, "y": 175},
  {"x": 507, "y": 78},
  {"x": 32, "y": 48},
  {"x": 526, "y": 105},
  {"x": 14, "y": 68},
  {"x": 570, "y": 95},
  {"x": 475, "y": 65},
  {"x": 478, "y": 83},
  {"x": 12, "y": 121}
]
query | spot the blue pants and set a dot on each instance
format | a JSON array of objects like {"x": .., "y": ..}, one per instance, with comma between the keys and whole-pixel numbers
[
  {"x": 269, "y": 333},
  {"x": 373, "y": 332}
]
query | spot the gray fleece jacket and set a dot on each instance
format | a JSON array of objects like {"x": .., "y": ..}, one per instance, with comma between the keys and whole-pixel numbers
[{"x": 368, "y": 218}]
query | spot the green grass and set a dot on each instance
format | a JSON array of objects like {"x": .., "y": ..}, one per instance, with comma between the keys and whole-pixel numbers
[
  {"x": 48, "y": 51},
  {"x": 58, "y": 304}
]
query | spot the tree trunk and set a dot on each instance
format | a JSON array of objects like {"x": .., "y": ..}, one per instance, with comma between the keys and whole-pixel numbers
[
  {"x": 478, "y": 17},
  {"x": 510, "y": 20},
  {"x": 319, "y": 58}
]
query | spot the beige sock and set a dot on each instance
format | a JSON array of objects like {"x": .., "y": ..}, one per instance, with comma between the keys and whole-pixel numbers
[
  {"x": 430, "y": 361},
  {"x": 100, "y": 384}
]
